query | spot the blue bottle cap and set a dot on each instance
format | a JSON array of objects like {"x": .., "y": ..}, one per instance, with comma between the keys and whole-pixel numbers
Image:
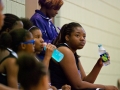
[
  {"x": 99, "y": 45},
  {"x": 44, "y": 48}
]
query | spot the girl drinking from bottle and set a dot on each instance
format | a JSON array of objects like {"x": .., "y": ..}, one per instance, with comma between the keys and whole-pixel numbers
[{"x": 39, "y": 44}]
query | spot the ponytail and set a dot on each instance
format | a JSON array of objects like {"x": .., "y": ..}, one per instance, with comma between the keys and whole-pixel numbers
[
  {"x": 66, "y": 29},
  {"x": 59, "y": 38},
  {"x": 5, "y": 40}
]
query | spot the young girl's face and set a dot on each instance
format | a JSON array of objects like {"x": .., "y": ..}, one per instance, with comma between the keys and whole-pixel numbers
[
  {"x": 1, "y": 15},
  {"x": 37, "y": 35},
  {"x": 77, "y": 39}
]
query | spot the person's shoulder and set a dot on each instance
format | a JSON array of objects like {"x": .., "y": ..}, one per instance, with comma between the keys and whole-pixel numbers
[
  {"x": 11, "y": 60},
  {"x": 36, "y": 16},
  {"x": 65, "y": 50},
  {"x": 12, "y": 57}
]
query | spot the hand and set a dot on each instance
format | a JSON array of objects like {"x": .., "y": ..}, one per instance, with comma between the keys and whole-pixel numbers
[
  {"x": 53, "y": 88},
  {"x": 49, "y": 50},
  {"x": 111, "y": 88},
  {"x": 66, "y": 87},
  {"x": 100, "y": 63}
]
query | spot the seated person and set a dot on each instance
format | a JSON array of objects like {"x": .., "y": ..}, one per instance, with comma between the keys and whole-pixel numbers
[
  {"x": 72, "y": 37},
  {"x": 32, "y": 74},
  {"x": 18, "y": 40},
  {"x": 39, "y": 44},
  {"x": 8, "y": 67}
]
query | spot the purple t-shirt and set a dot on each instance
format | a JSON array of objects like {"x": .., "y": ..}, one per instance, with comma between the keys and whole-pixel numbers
[
  {"x": 47, "y": 28},
  {"x": 49, "y": 32}
]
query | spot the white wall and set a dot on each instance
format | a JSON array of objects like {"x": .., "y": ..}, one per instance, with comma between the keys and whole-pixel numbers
[
  {"x": 16, "y": 7},
  {"x": 101, "y": 21},
  {"x": 21, "y": 8},
  {"x": 31, "y": 5}
]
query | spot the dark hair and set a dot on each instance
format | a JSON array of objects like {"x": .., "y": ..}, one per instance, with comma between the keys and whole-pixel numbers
[
  {"x": 18, "y": 36},
  {"x": 5, "y": 39},
  {"x": 9, "y": 22},
  {"x": 66, "y": 29},
  {"x": 30, "y": 70},
  {"x": 13, "y": 38},
  {"x": 51, "y": 4},
  {"x": 33, "y": 29},
  {"x": 27, "y": 24}
]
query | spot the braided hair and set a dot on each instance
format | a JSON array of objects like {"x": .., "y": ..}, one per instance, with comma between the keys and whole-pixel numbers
[{"x": 67, "y": 29}]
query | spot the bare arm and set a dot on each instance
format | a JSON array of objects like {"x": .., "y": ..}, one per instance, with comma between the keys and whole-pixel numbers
[
  {"x": 48, "y": 54},
  {"x": 91, "y": 77},
  {"x": 69, "y": 66},
  {"x": 82, "y": 72},
  {"x": 2, "y": 87},
  {"x": 66, "y": 87},
  {"x": 12, "y": 72}
]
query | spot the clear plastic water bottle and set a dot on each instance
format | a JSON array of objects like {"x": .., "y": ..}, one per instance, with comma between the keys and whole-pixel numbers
[
  {"x": 103, "y": 54},
  {"x": 56, "y": 55}
]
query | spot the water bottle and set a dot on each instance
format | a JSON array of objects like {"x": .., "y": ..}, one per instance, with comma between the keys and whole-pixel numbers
[
  {"x": 56, "y": 55},
  {"x": 103, "y": 54}
]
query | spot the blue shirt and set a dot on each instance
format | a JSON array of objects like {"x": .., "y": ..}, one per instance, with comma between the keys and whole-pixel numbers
[{"x": 47, "y": 28}]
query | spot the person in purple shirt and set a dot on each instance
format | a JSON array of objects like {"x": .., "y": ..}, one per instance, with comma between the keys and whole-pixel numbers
[{"x": 42, "y": 19}]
